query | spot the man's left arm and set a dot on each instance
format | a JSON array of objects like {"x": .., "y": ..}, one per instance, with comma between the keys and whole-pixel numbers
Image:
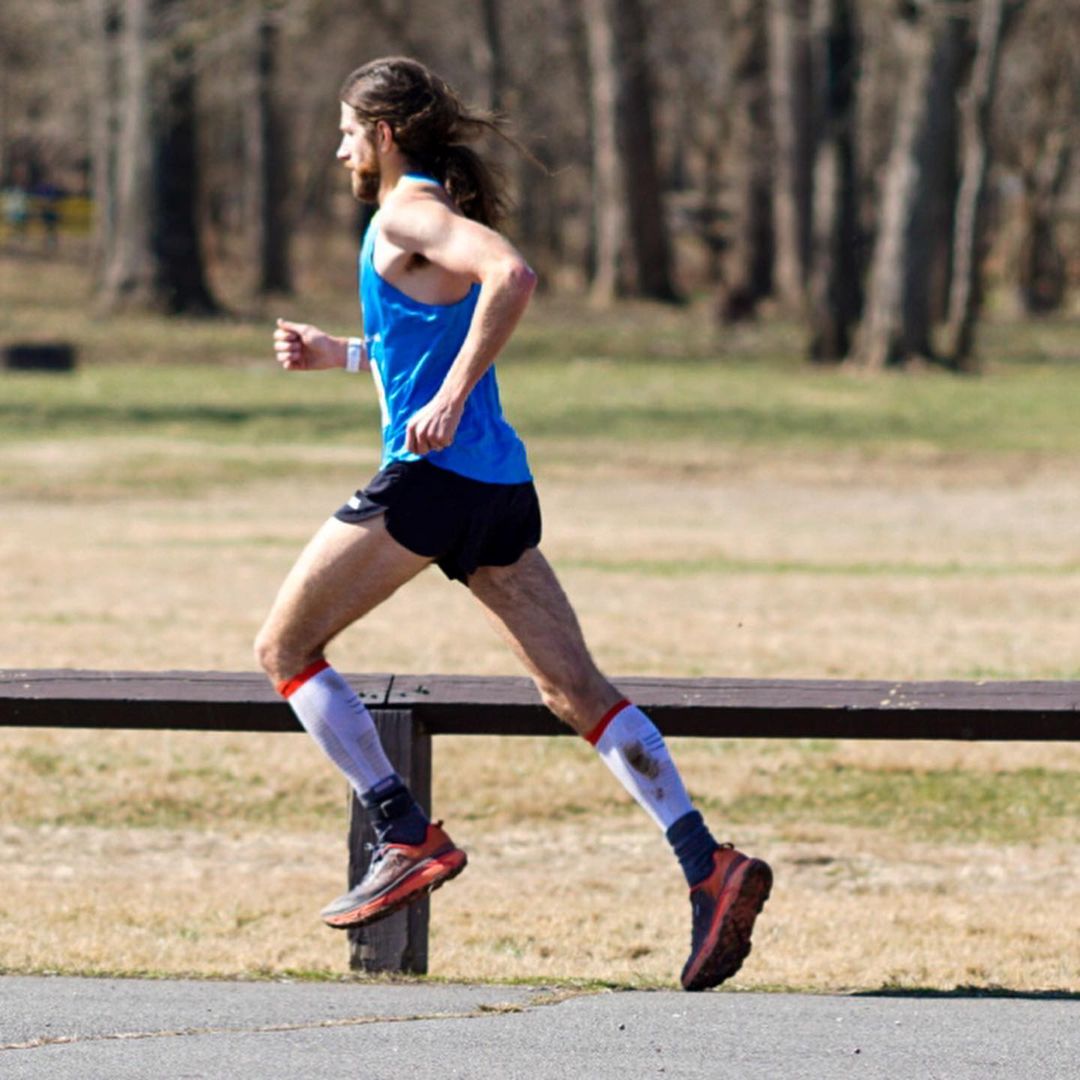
[{"x": 506, "y": 282}]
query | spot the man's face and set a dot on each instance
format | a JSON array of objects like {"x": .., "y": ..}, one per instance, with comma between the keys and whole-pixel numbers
[{"x": 357, "y": 153}]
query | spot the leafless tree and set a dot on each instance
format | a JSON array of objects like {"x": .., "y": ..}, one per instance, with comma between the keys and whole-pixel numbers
[
  {"x": 514, "y": 96},
  {"x": 129, "y": 275},
  {"x": 793, "y": 146},
  {"x": 1037, "y": 130},
  {"x": 968, "y": 249},
  {"x": 154, "y": 257},
  {"x": 835, "y": 284},
  {"x": 105, "y": 21},
  {"x": 747, "y": 167},
  {"x": 633, "y": 249},
  {"x": 268, "y": 158},
  {"x": 896, "y": 327}
]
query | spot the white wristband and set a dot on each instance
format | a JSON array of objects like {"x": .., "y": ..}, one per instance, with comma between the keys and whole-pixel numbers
[{"x": 355, "y": 354}]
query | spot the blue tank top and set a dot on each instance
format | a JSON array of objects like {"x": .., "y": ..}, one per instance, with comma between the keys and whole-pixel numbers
[{"x": 411, "y": 346}]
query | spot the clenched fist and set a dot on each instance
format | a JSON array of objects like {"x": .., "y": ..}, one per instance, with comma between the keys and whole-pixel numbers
[{"x": 303, "y": 347}]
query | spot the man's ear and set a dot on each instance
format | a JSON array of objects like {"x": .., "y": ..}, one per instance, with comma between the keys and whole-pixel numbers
[{"x": 384, "y": 136}]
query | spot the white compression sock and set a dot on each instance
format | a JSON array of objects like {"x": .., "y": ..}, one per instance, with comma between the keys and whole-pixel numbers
[
  {"x": 634, "y": 750},
  {"x": 340, "y": 723}
]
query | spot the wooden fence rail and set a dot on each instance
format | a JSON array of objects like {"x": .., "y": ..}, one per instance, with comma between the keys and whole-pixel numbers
[{"x": 410, "y": 709}]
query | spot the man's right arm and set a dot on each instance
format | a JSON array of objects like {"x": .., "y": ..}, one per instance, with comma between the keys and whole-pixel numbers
[{"x": 303, "y": 347}]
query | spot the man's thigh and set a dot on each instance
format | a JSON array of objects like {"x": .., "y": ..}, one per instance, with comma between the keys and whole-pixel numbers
[{"x": 344, "y": 572}]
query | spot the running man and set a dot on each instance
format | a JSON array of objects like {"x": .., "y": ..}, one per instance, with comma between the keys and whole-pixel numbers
[{"x": 441, "y": 292}]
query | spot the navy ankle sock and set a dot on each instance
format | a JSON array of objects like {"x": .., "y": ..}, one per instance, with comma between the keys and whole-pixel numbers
[
  {"x": 395, "y": 814},
  {"x": 693, "y": 845}
]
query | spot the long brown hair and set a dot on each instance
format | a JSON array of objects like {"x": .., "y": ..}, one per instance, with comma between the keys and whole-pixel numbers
[{"x": 431, "y": 126}]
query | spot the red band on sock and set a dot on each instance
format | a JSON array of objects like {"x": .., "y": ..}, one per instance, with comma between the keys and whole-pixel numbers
[
  {"x": 287, "y": 687},
  {"x": 594, "y": 735}
]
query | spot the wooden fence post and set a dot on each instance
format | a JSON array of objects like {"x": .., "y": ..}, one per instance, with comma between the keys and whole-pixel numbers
[{"x": 400, "y": 941}]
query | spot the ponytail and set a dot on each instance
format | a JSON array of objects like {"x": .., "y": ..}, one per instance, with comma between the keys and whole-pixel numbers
[{"x": 476, "y": 187}]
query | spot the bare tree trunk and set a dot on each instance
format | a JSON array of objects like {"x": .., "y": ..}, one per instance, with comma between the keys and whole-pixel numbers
[
  {"x": 791, "y": 103},
  {"x": 181, "y": 285},
  {"x": 1046, "y": 155},
  {"x": 129, "y": 274},
  {"x": 267, "y": 163},
  {"x": 648, "y": 223},
  {"x": 1046, "y": 144},
  {"x": 886, "y": 335},
  {"x": 835, "y": 276},
  {"x": 156, "y": 259},
  {"x": 5, "y": 110},
  {"x": 965, "y": 293},
  {"x": 748, "y": 260},
  {"x": 105, "y": 28},
  {"x": 712, "y": 212},
  {"x": 938, "y": 150},
  {"x": 494, "y": 55},
  {"x": 610, "y": 277},
  {"x": 533, "y": 214},
  {"x": 633, "y": 251},
  {"x": 1041, "y": 273}
]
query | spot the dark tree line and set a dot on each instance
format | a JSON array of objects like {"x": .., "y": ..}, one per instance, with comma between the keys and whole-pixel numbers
[{"x": 858, "y": 164}]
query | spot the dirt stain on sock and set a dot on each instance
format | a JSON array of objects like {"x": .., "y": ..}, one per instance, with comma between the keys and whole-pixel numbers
[{"x": 641, "y": 761}]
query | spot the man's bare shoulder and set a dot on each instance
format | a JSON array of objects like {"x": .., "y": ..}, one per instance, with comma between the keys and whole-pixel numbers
[
  {"x": 415, "y": 214},
  {"x": 421, "y": 221}
]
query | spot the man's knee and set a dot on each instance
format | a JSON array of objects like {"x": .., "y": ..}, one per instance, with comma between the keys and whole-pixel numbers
[
  {"x": 578, "y": 697},
  {"x": 266, "y": 652},
  {"x": 274, "y": 656}
]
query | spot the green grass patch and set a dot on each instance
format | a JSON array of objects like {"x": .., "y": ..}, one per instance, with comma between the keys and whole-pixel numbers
[
  {"x": 775, "y": 402},
  {"x": 219, "y": 405},
  {"x": 593, "y": 404},
  {"x": 1024, "y": 806}
]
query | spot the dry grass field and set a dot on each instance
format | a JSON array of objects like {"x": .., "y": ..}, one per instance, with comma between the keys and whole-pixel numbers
[{"x": 150, "y": 513}]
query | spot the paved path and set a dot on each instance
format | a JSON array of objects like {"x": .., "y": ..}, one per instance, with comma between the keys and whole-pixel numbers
[{"x": 83, "y": 1029}]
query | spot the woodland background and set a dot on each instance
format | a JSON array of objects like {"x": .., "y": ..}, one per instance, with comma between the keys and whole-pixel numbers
[{"x": 881, "y": 170}]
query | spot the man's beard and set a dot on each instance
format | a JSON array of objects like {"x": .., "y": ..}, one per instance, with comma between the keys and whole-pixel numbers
[{"x": 365, "y": 183}]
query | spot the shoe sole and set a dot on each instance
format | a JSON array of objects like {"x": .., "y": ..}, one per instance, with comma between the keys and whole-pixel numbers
[
  {"x": 728, "y": 945},
  {"x": 425, "y": 879}
]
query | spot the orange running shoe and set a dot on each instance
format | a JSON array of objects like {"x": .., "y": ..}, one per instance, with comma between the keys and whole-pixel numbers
[
  {"x": 724, "y": 906},
  {"x": 399, "y": 874}
]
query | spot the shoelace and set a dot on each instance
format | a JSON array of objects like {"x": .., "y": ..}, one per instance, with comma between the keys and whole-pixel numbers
[{"x": 376, "y": 852}]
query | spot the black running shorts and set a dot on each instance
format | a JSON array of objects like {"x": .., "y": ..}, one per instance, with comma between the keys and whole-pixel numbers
[{"x": 461, "y": 523}]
